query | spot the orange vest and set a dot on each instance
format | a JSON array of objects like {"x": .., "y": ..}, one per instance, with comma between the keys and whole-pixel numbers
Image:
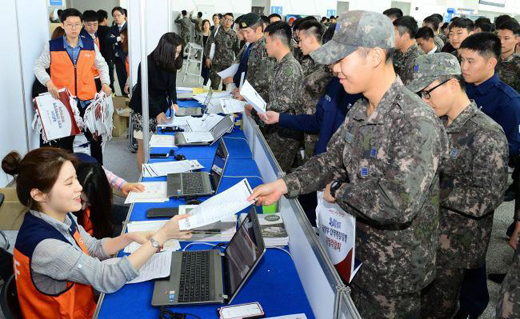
[
  {"x": 79, "y": 78},
  {"x": 75, "y": 302},
  {"x": 95, "y": 71}
]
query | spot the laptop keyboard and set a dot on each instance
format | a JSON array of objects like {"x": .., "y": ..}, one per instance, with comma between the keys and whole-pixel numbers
[
  {"x": 194, "y": 278},
  {"x": 192, "y": 184}
]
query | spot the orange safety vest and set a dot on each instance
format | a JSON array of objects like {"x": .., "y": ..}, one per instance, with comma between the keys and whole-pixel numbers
[
  {"x": 79, "y": 78},
  {"x": 75, "y": 302},
  {"x": 94, "y": 69}
]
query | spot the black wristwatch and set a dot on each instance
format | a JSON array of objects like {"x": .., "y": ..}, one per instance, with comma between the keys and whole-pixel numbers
[{"x": 334, "y": 188}]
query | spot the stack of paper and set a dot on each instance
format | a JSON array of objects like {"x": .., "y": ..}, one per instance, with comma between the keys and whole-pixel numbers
[
  {"x": 154, "y": 192},
  {"x": 218, "y": 207},
  {"x": 175, "y": 121},
  {"x": 216, "y": 95},
  {"x": 252, "y": 96},
  {"x": 170, "y": 245},
  {"x": 98, "y": 117},
  {"x": 159, "y": 266},
  {"x": 230, "y": 106},
  {"x": 165, "y": 168},
  {"x": 162, "y": 141},
  {"x": 273, "y": 229}
]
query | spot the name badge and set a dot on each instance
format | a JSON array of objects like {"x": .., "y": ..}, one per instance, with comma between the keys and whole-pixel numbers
[
  {"x": 373, "y": 153},
  {"x": 349, "y": 137},
  {"x": 328, "y": 98},
  {"x": 364, "y": 171},
  {"x": 454, "y": 153}
]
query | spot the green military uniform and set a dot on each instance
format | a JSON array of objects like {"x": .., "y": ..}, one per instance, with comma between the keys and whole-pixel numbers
[
  {"x": 404, "y": 63},
  {"x": 315, "y": 81},
  {"x": 509, "y": 71},
  {"x": 472, "y": 181},
  {"x": 259, "y": 68},
  {"x": 184, "y": 24},
  {"x": 198, "y": 29},
  {"x": 509, "y": 303},
  {"x": 388, "y": 162},
  {"x": 283, "y": 99},
  {"x": 438, "y": 42},
  {"x": 225, "y": 46}
]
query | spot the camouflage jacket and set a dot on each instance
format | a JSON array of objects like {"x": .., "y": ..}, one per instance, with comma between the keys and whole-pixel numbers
[
  {"x": 509, "y": 71},
  {"x": 225, "y": 46},
  {"x": 184, "y": 23},
  {"x": 259, "y": 68},
  {"x": 406, "y": 62},
  {"x": 198, "y": 24},
  {"x": 283, "y": 94},
  {"x": 438, "y": 42},
  {"x": 389, "y": 163},
  {"x": 315, "y": 81},
  {"x": 473, "y": 182}
]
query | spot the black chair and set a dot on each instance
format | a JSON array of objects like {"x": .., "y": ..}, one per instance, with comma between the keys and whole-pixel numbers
[{"x": 9, "y": 300}]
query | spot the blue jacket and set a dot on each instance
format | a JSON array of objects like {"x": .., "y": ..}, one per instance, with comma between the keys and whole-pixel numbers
[
  {"x": 502, "y": 103},
  {"x": 330, "y": 114}
]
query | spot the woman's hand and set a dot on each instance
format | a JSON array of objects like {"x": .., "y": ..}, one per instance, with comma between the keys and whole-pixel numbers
[
  {"x": 140, "y": 237},
  {"x": 161, "y": 118},
  {"x": 132, "y": 187},
  {"x": 172, "y": 230}
]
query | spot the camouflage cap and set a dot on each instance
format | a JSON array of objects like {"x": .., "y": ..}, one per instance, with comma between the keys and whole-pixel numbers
[
  {"x": 356, "y": 29},
  {"x": 248, "y": 20},
  {"x": 430, "y": 67}
]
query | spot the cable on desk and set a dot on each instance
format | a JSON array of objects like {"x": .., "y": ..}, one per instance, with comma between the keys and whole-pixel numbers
[
  {"x": 260, "y": 178},
  {"x": 236, "y": 138},
  {"x": 202, "y": 243},
  {"x": 168, "y": 314}
]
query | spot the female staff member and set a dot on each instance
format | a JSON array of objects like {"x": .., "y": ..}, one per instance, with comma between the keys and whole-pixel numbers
[
  {"x": 57, "y": 263},
  {"x": 163, "y": 64}
]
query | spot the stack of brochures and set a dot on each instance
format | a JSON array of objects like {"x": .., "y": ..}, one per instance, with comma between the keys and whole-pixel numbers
[{"x": 273, "y": 229}]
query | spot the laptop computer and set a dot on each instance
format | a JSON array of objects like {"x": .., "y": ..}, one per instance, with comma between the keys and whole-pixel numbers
[
  {"x": 195, "y": 111},
  {"x": 199, "y": 183},
  {"x": 209, "y": 276},
  {"x": 223, "y": 126}
]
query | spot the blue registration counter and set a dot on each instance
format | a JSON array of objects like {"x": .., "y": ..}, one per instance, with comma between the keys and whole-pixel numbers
[{"x": 303, "y": 282}]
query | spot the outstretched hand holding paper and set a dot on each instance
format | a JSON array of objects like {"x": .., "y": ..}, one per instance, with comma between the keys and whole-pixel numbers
[
  {"x": 219, "y": 206},
  {"x": 252, "y": 97}
]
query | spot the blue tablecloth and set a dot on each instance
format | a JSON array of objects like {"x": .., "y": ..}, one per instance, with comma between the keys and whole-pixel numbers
[{"x": 274, "y": 284}]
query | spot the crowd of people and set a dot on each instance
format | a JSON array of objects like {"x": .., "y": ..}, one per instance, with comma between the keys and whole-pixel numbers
[{"x": 410, "y": 129}]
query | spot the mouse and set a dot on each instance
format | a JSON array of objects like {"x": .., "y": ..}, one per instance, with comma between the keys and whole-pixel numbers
[
  {"x": 193, "y": 202},
  {"x": 180, "y": 157}
]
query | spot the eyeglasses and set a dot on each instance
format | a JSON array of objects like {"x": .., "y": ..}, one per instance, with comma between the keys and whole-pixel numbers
[
  {"x": 229, "y": 20},
  {"x": 426, "y": 94}
]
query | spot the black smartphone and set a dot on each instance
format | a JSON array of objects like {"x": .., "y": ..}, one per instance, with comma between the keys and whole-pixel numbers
[
  {"x": 161, "y": 155},
  {"x": 162, "y": 212},
  {"x": 172, "y": 129}
]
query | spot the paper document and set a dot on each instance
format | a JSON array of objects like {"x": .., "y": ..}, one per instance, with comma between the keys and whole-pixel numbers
[
  {"x": 154, "y": 192},
  {"x": 229, "y": 72},
  {"x": 251, "y": 96},
  {"x": 216, "y": 95},
  {"x": 159, "y": 266},
  {"x": 165, "y": 168},
  {"x": 182, "y": 89},
  {"x": 175, "y": 121},
  {"x": 198, "y": 137},
  {"x": 230, "y": 106},
  {"x": 162, "y": 141},
  {"x": 218, "y": 207},
  {"x": 132, "y": 227},
  {"x": 205, "y": 123}
]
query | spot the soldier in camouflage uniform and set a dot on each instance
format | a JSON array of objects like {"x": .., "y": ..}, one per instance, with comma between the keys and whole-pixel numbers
[
  {"x": 380, "y": 166},
  {"x": 198, "y": 27},
  {"x": 259, "y": 67},
  {"x": 225, "y": 40},
  {"x": 316, "y": 77},
  {"x": 282, "y": 94},
  {"x": 184, "y": 24},
  {"x": 508, "y": 67},
  {"x": 509, "y": 303},
  {"x": 473, "y": 179},
  {"x": 405, "y": 30}
]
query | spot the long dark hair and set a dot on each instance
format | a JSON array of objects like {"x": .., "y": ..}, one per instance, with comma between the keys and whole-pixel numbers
[
  {"x": 99, "y": 194},
  {"x": 39, "y": 169},
  {"x": 164, "y": 53}
]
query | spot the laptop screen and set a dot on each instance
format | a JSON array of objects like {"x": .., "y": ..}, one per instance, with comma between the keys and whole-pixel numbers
[
  {"x": 243, "y": 252},
  {"x": 219, "y": 164}
]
